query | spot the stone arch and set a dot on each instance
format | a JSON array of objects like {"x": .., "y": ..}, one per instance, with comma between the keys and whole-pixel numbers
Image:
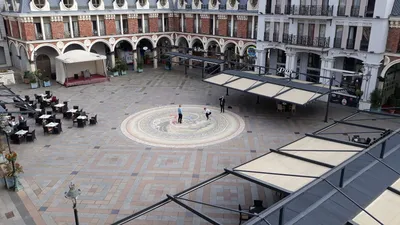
[
  {"x": 32, "y": 56},
  {"x": 123, "y": 39},
  {"x": 101, "y": 41},
  {"x": 276, "y": 47},
  {"x": 245, "y": 46},
  {"x": 74, "y": 42},
  {"x": 165, "y": 36},
  {"x": 15, "y": 55},
  {"x": 387, "y": 67},
  {"x": 11, "y": 43},
  {"x": 23, "y": 53},
  {"x": 180, "y": 37},
  {"x": 209, "y": 41},
  {"x": 194, "y": 39},
  {"x": 145, "y": 37},
  {"x": 227, "y": 43}
]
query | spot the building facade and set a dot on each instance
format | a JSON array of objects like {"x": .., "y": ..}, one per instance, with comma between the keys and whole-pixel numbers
[
  {"x": 5, "y": 60},
  {"x": 326, "y": 37},
  {"x": 40, "y": 30}
]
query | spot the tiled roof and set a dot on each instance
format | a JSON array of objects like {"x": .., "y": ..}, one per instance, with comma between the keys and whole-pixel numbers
[{"x": 396, "y": 8}]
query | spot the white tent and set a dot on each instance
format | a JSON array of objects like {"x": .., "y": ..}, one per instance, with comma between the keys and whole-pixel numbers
[{"x": 76, "y": 61}]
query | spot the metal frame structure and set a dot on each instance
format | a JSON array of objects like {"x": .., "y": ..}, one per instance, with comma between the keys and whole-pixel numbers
[
  {"x": 6, "y": 94},
  {"x": 378, "y": 151}
]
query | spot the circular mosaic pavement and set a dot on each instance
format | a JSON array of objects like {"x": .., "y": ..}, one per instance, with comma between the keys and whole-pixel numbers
[{"x": 159, "y": 127}]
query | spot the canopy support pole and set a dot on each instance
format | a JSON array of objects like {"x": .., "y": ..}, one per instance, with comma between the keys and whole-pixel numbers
[
  {"x": 227, "y": 91},
  {"x": 258, "y": 99},
  {"x": 329, "y": 99}
]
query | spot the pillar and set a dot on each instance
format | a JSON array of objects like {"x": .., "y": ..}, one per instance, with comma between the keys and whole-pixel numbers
[
  {"x": 328, "y": 64},
  {"x": 273, "y": 60},
  {"x": 222, "y": 65},
  {"x": 260, "y": 54},
  {"x": 112, "y": 56},
  {"x": 190, "y": 61},
  {"x": 32, "y": 65},
  {"x": 135, "y": 60},
  {"x": 155, "y": 61},
  {"x": 369, "y": 82},
  {"x": 303, "y": 65},
  {"x": 291, "y": 62}
]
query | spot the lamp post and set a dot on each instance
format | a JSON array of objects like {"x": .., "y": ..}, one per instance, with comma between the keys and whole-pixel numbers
[{"x": 73, "y": 194}]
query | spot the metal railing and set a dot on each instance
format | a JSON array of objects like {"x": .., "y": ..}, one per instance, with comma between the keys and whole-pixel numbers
[
  {"x": 287, "y": 9},
  {"x": 222, "y": 7},
  {"x": 278, "y": 9},
  {"x": 39, "y": 36},
  {"x": 285, "y": 38},
  {"x": 364, "y": 45},
  {"x": 268, "y": 9},
  {"x": 304, "y": 40},
  {"x": 350, "y": 44},
  {"x": 369, "y": 12},
  {"x": 242, "y": 7},
  {"x": 49, "y": 36},
  {"x": 355, "y": 11},
  {"x": 266, "y": 36},
  {"x": 204, "y": 6},
  {"x": 341, "y": 11},
  {"x": 275, "y": 37},
  {"x": 337, "y": 43},
  {"x": 312, "y": 10}
]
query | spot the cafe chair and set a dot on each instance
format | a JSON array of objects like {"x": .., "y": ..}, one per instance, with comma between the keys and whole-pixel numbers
[
  {"x": 293, "y": 108},
  {"x": 258, "y": 203},
  {"x": 45, "y": 130},
  {"x": 279, "y": 108},
  {"x": 38, "y": 121},
  {"x": 48, "y": 94},
  {"x": 93, "y": 120},
  {"x": 16, "y": 139},
  {"x": 76, "y": 107},
  {"x": 31, "y": 136},
  {"x": 56, "y": 130},
  {"x": 243, "y": 216},
  {"x": 81, "y": 123}
]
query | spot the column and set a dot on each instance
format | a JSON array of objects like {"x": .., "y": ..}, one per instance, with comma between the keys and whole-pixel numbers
[
  {"x": 71, "y": 27},
  {"x": 291, "y": 62},
  {"x": 232, "y": 26},
  {"x": 112, "y": 56},
  {"x": 98, "y": 25},
  {"x": 326, "y": 63},
  {"x": 155, "y": 61},
  {"x": 162, "y": 22},
  {"x": 273, "y": 60},
  {"x": 222, "y": 65},
  {"x": 345, "y": 36},
  {"x": 303, "y": 65},
  {"x": 121, "y": 26},
  {"x": 42, "y": 26},
  {"x": 357, "y": 42},
  {"x": 144, "y": 29},
  {"x": 260, "y": 54},
  {"x": 369, "y": 82},
  {"x": 32, "y": 66},
  {"x": 252, "y": 26},
  {"x": 135, "y": 60},
  {"x": 190, "y": 61},
  {"x": 214, "y": 21}
]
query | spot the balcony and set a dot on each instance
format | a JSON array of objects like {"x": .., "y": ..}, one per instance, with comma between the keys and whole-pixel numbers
[
  {"x": 275, "y": 37},
  {"x": 337, "y": 43},
  {"x": 278, "y": 9},
  {"x": 285, "y": 38},
  {"x": 125, "y": 30},
  {"x": 355, "y": 11},
  {"x": 341, "y": 11},
  {"x": 266, "y": 36},
  {"x": 222, "y": 7},
  {"x": 242, "y": 7},
  {"x": 364, "y": 45},
  {"x": 268, "y": 9},
  {"x": 350, "y": 44},
  {"x": 313, "y": 10},
  {"x": 321, "y": 42},
  {"x": 287, "y": 9}
]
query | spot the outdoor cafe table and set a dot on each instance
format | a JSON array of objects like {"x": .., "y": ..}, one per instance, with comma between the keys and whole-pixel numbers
[
  {"x": 51, "y": 124},
  {"x": 38, "y": 110},
  {"x": 21, "y": 132},
  {"x": 72, "y": 111},
  {"x": 44, "y": 116},
  {"x": 81, "y": 117},
  {"x": 59, "y": 105}
]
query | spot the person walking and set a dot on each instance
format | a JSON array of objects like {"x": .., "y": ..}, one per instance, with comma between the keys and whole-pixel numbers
[
  {"x": 222, "y": 104},
  {"x": 180, "y": 114},
  {"x": 207, "y": 112}
]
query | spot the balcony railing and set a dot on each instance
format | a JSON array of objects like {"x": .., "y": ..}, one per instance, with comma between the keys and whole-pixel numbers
[
  {"x": 321, "y": 42},
  {"x": 287, "y": 9},
  {"x": 188, "y": 7},
  {"x": 266, "y": 36},
  {"x": 242, "y": 7},
  {"x": 364, "y": 45},
  {"x": 204, "y": 6},
  {"x": 285, "y": 38},
  {"x": 275, "y": 37},
  {"x": 125, "y": 30},
  {"x": 369, "y": 12},
  {"x": 355, "y": 11},
  {"x": 95, "y": 33},
  {"x": 39, "y": 36},
  {"x": 350, "y": 44},
  {"x": 312, "y": 10},
  {"x": 268, "y": 9},
  {"x": 222, "y": 7},
  {"x": 278, "y": 9},
  {"x": 337, "y": 43},
  {"x": 341, "y": 11}
]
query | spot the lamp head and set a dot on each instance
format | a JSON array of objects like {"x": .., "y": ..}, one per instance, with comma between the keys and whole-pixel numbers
[{"x": 72, "y": 193}]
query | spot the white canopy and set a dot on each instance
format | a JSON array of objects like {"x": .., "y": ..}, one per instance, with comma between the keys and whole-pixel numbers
[{"x": 82, "y": 61}]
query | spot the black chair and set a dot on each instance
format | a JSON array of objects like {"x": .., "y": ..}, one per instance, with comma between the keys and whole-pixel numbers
[
  {"x": 38, "y": 120},
  {"x": 65, "y": 103},
  {"x": 243, "y": 216},
  {"x": 67, "y": 115},
  {"x": 26, "y": 98},
  {"x": 49, "y": 113},
  {"x": 75, "y": 107},
  {"x": 93, "y": 120},
  {"x": 59, "y": 126},
  {"x": 56, "y": 130},
  {"x": 16, "y": 139},
  {"x": 57, "y": 101},
  {"x": 48, "y": 94},
  {"x": 81, "y": 123},
  {"x": 31, "y": 136},
  {"x": 258, "y": 203},
  {"x": 37, "y": 97}
]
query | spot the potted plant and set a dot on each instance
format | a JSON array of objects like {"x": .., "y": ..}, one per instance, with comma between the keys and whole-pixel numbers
[
  {"x": 27, "y": 77},
  {"x": 12, "y": 170},
  {"x": 34, "y": 83},
  {"x": 168, "y": 65},
  {"x": 140, "y": 65},
  {"x": 114, "y": 71},
  {"x": 122, "y": 67},
  {"x": 376, "y": 100},
  {"x": 46, "y": 81}
]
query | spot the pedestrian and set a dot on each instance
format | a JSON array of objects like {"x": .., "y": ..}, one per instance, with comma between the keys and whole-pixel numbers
[
  {"x": 222, "y": 104},
  {"x": 180, "y": 114},
  {"x": 207, "y": 112}
]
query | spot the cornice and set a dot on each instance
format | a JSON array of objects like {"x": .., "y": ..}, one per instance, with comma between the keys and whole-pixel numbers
[
  {"x": 394, "y": 24},
  {"x": 84, "y": 17},
  {"x": 109, "y": 17},
  {"x": 241, "y": 17},
  {"x": 132, "y": 16},
  {"x": 153, "y": 15},
  {"x": 26, "y": 19},
  {"x": 56, "y": 19},
  {"x": 222, "y": 17}
]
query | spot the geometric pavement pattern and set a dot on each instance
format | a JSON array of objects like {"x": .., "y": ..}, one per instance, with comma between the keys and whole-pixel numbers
[{"x": 119, "y": 176}]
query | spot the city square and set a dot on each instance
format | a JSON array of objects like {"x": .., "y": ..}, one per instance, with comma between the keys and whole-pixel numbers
[{"x": 119, "y": 176}]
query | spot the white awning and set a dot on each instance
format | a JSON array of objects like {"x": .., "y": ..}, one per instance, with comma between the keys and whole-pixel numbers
[
  {"x": 385, "y": 208},
  {"x": 268, "y": 90},
  {"x": 221, "y": 79},
  {"x": 298, "y": 96},
  {"x": 329, "y": 152},
  {"x": 242, "y": 84},
  {"x": 277, "y": 163},
  {"x": 76, "y": 56}
]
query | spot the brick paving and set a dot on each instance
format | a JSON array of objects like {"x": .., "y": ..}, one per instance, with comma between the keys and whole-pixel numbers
[{"x": 118, "y": 176}]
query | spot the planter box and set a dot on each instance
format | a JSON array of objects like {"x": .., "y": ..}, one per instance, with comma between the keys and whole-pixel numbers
[
  {"x": 34, "y": 85},
  {"x": 7, "y": 77},
  {"x": 123, "y": 72},
  {"x": 10, "y": 183},
  {"x": 46, "y": 83},
  {"x": 140, "y": 70}
]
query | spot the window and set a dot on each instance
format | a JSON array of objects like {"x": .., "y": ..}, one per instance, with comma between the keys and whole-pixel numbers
[
  {"x": 311, "y": 31},
  {"x": 117, "y": 25},
  {"x": 322, "y": 30},
  {"x": 96, "y": 3},
  {"x": 229, "y": 25},
  {"x": 38, "y": 31},
  {"x": 352, "y": 37},
  {"x": 101, "y": 26},
  {"x": 366, "y": 33},
  {"x": 68, "y": 3},
  {"x": 94, "y": 26},
  {"x": 211, "y": 31},
  {"x": 234, "y": 28},
  {"x": 125, "y": 25},
  {"x": 142, "y": 2},
  {"x": 370, "y": 8},
  {"x": 39, "y": 3},
  {"x": 249, "y": 26},
  {"x": 281, "y": 56},
  {"x": 286, "y": 28},
  {"x": 75, "y": 27},
  {"x": 300, "y": 29},
  {"x": 338, "y": 36},
  {"x": 159, "y": 23},
  {"x": 120, "y": 3},
  {"x": 276, "y": 31},
  {"x": 266, "y": 32},
  {"x": 140, "y": 25},
  {"x": 166, "y": 23},
  {"x": 146, "y": 23},
  {"x": 67, "y": 32},
  {"x": 47, "y": 30},
  {"x": 314, "y": 61}
]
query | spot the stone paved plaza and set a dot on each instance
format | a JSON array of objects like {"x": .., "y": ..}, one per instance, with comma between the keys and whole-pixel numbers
[{"x": 119, "y": 176}]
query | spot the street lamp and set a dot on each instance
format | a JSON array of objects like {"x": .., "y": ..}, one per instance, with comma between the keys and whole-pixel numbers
[{"x": 73, "y": 194}]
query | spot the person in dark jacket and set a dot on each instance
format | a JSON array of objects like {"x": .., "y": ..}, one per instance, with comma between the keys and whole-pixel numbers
[{"x": 222, "y": 104}]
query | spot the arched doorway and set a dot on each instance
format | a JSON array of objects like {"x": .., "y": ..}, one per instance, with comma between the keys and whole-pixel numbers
[
  {"x": 391, "y": 87},
  {"x": 45, "y": 60},
  {"x": 197, "y": 48},
  {"x": 249, "y": 57},
  {"x": 102, "y": 49},
  {"x": 163, "y": 45},
  {"x": 213, "y": 50},
  {"x": 73, "y": 47},
  {"x": 14, "y": 56},
  {"x": 308, "y": 66},
  {"x": 24, "y": 59},
  {"x": 183, "y": 45},
  {"x": 145, "y": 51},
  {"x": 231, "y": 54}
]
